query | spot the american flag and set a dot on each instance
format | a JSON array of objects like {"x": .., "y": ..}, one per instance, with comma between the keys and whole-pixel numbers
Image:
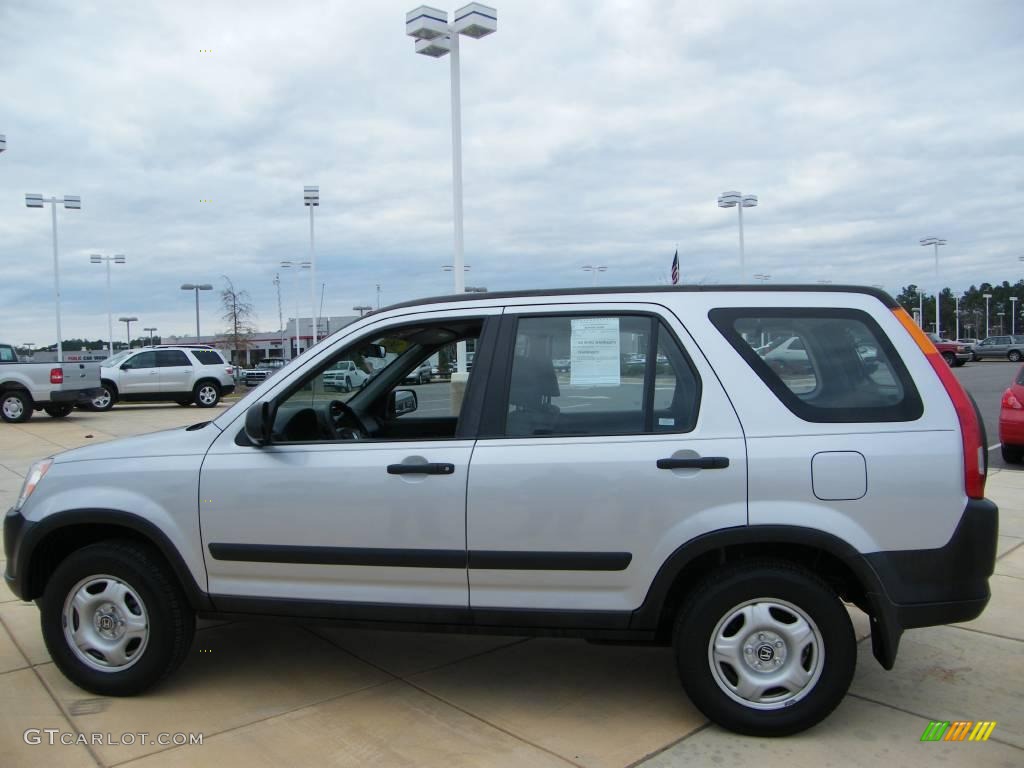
[{"x": 675, "y": 268}]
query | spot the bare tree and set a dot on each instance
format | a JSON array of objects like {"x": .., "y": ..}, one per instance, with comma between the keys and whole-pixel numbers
[{"x": 239, "y": 314}]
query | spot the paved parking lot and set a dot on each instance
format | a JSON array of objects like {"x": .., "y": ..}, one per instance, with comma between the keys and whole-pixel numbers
[{"x": 281, "y": 694}]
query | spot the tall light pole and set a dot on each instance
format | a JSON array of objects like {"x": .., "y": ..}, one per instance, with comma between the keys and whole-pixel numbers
[
  {"x": 296, "y": 266},
  {"x": 936, "y": 242},
  {"x": 311, "y": 199},
  {"x": 70, "y": 202},
  {"x": 956, "y": 311},
  {"x": 987, "y": 297},
  {"x": 739, "y": 201},
  {"x": 1013, "y": 315},
  {"x": 118, "y": 259},
  {"x": 128, "y": 328},
  {"x": 1001, "y": 315},
  {"x": 435, "y": 37},
  {"x": 362, "y": 309},
  {"x": 150, "y": 331},
  {"x": 197, "y": 287},
  {"x": 593, "y": 269},
  {"x": 762, "y": 278},
  {"x": 378, "y": 295}
]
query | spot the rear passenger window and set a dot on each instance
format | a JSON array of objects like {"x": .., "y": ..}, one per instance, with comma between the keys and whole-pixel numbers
[
  {"x": 171, "y": 358},
  {"x": 825, "y": 365},
  {"x": 599, "y": 375},
  {"x": 207, "y": 356}
]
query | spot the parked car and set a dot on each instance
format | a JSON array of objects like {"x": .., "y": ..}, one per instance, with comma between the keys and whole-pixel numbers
[
  {"x": 970, "y": 344},
  {"x": 954, "y": 353},
  {"x": 726, "y": 513},
  {"x": 344, "y": 377},
  {"x": 1001, "y": 347},
  {"x": 264, "y": 369},
  {"x": 52, "y": 387},
  {"x": 419, "y": 375},
  {"x": 179, "y": 374},
  {"x": 1011, "y": 421}
]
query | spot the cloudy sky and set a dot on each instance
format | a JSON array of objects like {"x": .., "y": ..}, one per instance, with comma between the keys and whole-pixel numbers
[{"x": 594, "y": 133}]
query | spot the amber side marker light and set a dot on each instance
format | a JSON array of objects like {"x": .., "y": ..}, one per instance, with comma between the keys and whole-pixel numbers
[{"x": 975, "y": 451}]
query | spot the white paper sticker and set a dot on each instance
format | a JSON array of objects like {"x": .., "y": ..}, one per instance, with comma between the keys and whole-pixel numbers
[
  {"x": 594, "y": 347},
  {"x": 666, "y": 422}
]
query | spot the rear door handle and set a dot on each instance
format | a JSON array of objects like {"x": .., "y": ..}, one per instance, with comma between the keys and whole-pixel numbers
[
  {"x": 703, "y": 462},
  {"x": 430, "y": 468}
]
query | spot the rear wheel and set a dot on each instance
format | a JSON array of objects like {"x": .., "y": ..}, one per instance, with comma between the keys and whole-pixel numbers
[
  {"x": 114, "y": 619},
  {"x": 1012, "y": 454},
  {"x": 950, "y": 358},
  {"x": 59, "y": 411},
  {"x": 1013, "y": 356},
  {"x": 765, "y": 648},
  {"x": 104, "y": 399},
  {"x": 206, "y": 394},
  {"x": 16, "y": 406}
]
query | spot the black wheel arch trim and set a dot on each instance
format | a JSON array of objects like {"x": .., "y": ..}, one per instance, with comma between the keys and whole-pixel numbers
[{"x": 32, "y": 533}]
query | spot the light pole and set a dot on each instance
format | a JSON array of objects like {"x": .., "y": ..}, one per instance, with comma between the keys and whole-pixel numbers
[
  {"x": 119, "y": 259},
  {"x": 739, "y": 201},
  {"x": 1001, "y": 315},
  {"x": 956, "y": 311},
  {"x": 197, "y": 287},
  {"x": 378, "y": 295},
  {"x": 311, "y": 199},
  {"x": 151, "y": 331},
  {"x": 128, "y": 328},
  {"x": 70, "y": 202},
  {"x": 936, "y": 242},
  {"x": 987, "y": 297},
  {"x": 762, "y": 278},
  {"x": 1013, "y": 315},
  {"x": 362, "y": 309},
  {"x": 296, "y": 265},
  {"x": 28, "y": 345},
  {"x": 435, "y": 37},
  {"x": 280, "y": 315},
  {"x": 593, "y": 269}
]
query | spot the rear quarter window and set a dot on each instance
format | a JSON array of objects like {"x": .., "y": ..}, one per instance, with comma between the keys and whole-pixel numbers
[
  {"x": 207, "y": 357},
  {"x": 825, "y": 365}
]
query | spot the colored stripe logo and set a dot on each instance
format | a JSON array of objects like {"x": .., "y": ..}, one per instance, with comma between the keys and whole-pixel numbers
[{"x": 958, "y": 730}]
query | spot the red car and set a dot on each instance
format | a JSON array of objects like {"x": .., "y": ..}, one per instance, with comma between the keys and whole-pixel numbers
[{"x": 1011, "y": 421}]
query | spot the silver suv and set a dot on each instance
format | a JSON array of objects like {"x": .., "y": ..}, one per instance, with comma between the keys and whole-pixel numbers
[
  {"x": 1000, "y": 347},
  {"x": 183, "y": 375},
  {"x": 668, "y": 485}
]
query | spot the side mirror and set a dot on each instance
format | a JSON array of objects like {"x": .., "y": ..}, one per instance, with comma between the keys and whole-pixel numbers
[
  {"x": 401, "y": 402},
  {"x": 259, "y": 423},
  {"x": 126, "y": 366}
]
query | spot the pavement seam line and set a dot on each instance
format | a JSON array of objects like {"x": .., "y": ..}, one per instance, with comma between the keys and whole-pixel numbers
[
  {"x": 703, "y": 727},
  {"x": 983, "y": 632},
  {"x": 66, "y": 714}
]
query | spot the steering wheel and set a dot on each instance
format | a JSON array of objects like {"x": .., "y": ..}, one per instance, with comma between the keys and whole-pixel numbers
[{"x": 339, "y": 410}]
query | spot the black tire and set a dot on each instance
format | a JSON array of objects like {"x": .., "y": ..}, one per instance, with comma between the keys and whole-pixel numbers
[
  {"x": 831, "y": 653},
  {"x": 975, "y": 358},
  {"x": 950, "y": 358},
  {"x": 1013, "y": 356},
  {"x": 16, "y": 406},
  {"x": 959, "y": 363},
  {"x": 1012, "y": 454},
  {"x": 59, "y": 411},
  {"x": 105, "y": 400},
  {"x": 170, "y": 621},
  {"x": 348, "y": 384},
  {"x": 206, "y": 394}
]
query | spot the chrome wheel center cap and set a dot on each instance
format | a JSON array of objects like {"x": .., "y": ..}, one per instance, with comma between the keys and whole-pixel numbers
[
  {"x": 764, "y": 651},
  {"x": 108, "y": 622}
]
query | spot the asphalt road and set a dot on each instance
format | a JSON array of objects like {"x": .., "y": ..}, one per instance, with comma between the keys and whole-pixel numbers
[{"x": 986, "y": 381}]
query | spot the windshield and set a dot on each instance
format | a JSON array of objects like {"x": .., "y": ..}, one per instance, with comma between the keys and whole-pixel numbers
[{"x": 116, "y": 359}]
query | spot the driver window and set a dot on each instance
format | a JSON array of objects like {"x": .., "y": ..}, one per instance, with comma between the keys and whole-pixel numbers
[{"x": 395, "y": 386}]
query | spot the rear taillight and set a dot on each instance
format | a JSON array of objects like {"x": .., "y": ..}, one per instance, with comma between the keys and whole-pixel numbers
[
  {"x": 975, "y": 464},
  {"x": 1011, "y": 402},
  {"x": 229, "y": 370},
  {"x": 56, "y": 375}
]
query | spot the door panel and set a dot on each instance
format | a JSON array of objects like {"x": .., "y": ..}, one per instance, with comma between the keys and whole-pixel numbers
[
  {"x": 349, "y": 529},
  {"x": 142, "y": 377},
  {"x": 175, "y": 370}
]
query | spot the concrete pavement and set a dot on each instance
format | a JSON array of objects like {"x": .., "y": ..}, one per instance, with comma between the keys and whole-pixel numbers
[{"x": 271, "y": 694}]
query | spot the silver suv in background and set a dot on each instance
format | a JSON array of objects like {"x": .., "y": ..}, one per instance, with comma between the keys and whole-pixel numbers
[
  {"x": 1000, "y": 348},
  {"x": 705, "y": 499},
  {"x": 179, "y": 374}
]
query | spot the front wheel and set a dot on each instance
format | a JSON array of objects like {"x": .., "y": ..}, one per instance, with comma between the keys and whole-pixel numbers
[
  {"x": 114, "y": 619},
  {"x": 206, "y": 394},
  {"x": 1012, "y": 454},
  {"x": 950, "y": 359},
  {"x": 765, "y": 648},
  {"x": 58, "y": 411},
  {"x": 16, "y": 406},
  {"x": 1013, "y": 356}
]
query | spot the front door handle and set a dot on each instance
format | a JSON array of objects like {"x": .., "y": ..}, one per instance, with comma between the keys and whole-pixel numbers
[
  {"x": 703, "y": 462},
  {"x": 430, "y": 468}
]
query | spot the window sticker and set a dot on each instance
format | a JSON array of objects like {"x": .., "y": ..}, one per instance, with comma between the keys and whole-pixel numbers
[{"x": 594, "y": 350}]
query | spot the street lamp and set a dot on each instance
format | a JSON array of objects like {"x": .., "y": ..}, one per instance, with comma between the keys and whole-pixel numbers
[
  {"x": 362, "y": 309},
  {"x": 435, "y": 37},
  {"x": 1001, "y": 315},
  {"x": 128, "y": 328},
  {"x": 296, "y": 265},
  {"x": 71, "y": 202},
  {"x": 476, "y": 289},
  {"x": 762, "y": 278},
  {"x": 197, "y": 287},
  {"x": 593, "y": 269},
  {"x": 1013, "y": 315},
  {"x": 311, "y": 199},
  {"x": 739, "y": 201},
  {"x": 151, "y": 331},
  {"x": 936, "y": 242},
  {"x": 98, "y": 259},
  {"x": 987, "y": 297},
  {"x": 956, "y": 311}
]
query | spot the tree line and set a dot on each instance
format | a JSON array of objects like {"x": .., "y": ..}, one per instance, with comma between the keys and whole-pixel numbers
[{"x": 972, "y": 308}]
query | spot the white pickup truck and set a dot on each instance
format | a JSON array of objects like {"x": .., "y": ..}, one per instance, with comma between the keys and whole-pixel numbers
[{"x": 51, "y": 387}]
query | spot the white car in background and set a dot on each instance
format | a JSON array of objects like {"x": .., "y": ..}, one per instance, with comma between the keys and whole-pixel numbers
[
  {"x": 344, "y": 377},
  {"x": 179, "y": 374}
]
